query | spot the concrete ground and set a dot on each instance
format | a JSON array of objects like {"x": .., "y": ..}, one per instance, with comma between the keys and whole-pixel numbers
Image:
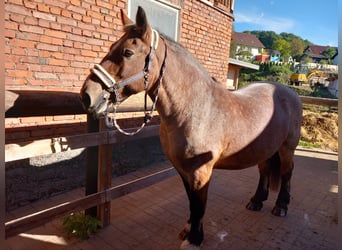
[{"x": 152, "y": 217}]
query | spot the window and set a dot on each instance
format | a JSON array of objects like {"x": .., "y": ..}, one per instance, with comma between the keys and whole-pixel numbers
[{"x": 162, "y": 16}]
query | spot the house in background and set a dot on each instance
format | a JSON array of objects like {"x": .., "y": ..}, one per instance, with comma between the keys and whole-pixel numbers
[
  {"x": 269, "y": 55},
  {"x": 234, "y": 68},
  {"x": 317, "y": 53},
  {"x": 247, "y": 46},
  {"x": 274, "y": 55}
]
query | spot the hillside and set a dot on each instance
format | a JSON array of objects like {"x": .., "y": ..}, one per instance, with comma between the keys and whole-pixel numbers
[{"x": 287, "y": 43}]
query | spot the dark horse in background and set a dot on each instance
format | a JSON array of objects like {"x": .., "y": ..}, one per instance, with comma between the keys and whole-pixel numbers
[{"x": 203, "y": 125}]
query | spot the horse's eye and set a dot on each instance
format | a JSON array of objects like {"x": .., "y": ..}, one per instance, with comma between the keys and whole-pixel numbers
[{"x": 127, "y": 53}]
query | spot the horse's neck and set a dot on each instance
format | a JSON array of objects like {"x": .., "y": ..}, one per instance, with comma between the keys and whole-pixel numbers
[{"x": 185, "y": 88}]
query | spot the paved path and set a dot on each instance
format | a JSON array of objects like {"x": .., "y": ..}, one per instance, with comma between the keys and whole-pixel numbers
[{"x": 152, "y": 217}]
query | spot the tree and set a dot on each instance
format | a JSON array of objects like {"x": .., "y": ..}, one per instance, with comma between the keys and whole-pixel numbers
[
  {"x": 266, "y": 37},
  {"x": 297, "y": 48},
  {"x": 283, "y": 46},
  {"x": 329, "y": 53}
]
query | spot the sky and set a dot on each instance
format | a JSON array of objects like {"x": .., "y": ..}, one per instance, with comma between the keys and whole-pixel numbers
[{"x": 316, "y": 21}]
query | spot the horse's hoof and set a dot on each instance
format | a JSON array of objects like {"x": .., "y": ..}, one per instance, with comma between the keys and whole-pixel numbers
[
  {"x": 254, "y": 206},
  {"x": 186, "y": 245},
  {"x": 185, "y": 232},
  {"x": 279, "y": 211}
]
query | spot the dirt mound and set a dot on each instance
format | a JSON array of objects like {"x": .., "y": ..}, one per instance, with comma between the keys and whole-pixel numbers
[{"x": 320, "y": 129}]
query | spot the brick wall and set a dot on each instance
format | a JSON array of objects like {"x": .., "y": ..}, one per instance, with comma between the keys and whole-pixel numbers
[
  {"x": 51, "y": 45},
  {"x": 206, "y": 32}
]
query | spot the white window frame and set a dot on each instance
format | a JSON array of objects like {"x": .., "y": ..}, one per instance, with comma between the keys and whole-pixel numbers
[{"x": 164, "y": 9}]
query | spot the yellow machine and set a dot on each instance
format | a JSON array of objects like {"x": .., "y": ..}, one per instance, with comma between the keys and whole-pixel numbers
[{"x": 301, "y": 76}]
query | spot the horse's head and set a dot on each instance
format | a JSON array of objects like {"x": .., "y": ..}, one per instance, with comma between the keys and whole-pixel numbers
[{"x": 129, "y": 67}]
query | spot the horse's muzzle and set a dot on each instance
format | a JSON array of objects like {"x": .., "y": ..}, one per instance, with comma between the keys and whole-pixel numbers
[{"x": 98, "y": 107}]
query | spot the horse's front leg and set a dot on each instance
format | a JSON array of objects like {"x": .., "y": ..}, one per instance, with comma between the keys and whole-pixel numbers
[{"x": 193, "y": 235}]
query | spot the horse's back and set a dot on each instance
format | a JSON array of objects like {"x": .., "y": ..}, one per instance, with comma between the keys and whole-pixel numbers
[
  {"x": 282, "y": 96},
  {"x": 269, "y": 117}
]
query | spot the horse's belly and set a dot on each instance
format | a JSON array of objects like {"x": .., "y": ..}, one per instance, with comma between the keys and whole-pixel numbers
[{"x": 245, "y": 158}]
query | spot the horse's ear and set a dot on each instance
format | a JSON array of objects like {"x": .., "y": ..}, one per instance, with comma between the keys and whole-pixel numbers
[
  {"x": 125, "y": 19},
  {"x": 141, "y": 22}
]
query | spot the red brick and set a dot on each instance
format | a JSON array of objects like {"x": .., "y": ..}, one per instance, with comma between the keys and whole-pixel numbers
[
  {"x": 65, "y": 13},
  {"x": 55, "y": 10},
  {"x": 11, "y": 26},
  {"x": 44, "y": 23},
  {"x": 57, "y": 62},
  {"x": 45, "y": 16},
  {"x": 88, "y": 53},
  {"x": 68, "y": 77},
  {"x": 29, "y": 36},
  {"x": 51, "y": 40},
  {"x": 20, "y": 73},
  {"x": 9, "y": 65},
  {"x": 9, "y": 33},
  {"x": 55, "y": 33},
  {"x": 30, "y": 4},
  {"x": 43, "y": 75},
  {"x": 105, "y": 4},
  {"x": 47, "y": 47},
  {"x": 33, "y": 29},
  {"x": 56, "y": 26},
  {"x": 16, "y": 18},
  {"x": 66, "y": 28},
  {"x": 75, "y": 2},
  {"x": 77, "y": 9},
  {"x": 22, "y": 43},
  {"x": 18, "y": 51},
  {"x": 17, "y": 9},
  {"x": 60, "y": 4},
  {"x": 77, "y": 16},
  {"x": 87, "y": 33},
  {"x": 18, "y": 2},
  {"x": 43, "y": 7}
]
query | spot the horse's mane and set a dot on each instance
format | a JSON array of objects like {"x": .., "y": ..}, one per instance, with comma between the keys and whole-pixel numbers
[
  {"x": 179, "y": 49},
  {"x": 186, "y": 55}
]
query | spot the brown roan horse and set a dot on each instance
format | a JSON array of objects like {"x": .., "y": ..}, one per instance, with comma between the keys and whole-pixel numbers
[{"x": 203, "y": 125}]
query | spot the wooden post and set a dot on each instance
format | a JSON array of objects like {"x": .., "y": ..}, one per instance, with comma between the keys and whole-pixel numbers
[
  {"x": 104, "y": 177},
  {"x": 91, "y": 165}
]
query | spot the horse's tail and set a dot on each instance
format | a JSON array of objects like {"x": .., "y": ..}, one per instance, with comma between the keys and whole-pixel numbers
[{"x": 275, "y": 176}]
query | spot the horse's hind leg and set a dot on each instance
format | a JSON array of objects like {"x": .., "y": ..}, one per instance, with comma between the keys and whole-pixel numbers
[
  {"x": 286, "y": 158},
  {"x": 261, "y": 194}
]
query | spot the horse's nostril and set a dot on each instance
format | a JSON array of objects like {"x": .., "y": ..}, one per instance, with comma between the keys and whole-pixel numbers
[{"x": 86, "y": 100}]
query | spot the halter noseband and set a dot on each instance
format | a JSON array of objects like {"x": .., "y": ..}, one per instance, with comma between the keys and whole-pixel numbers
[{"x": 112, "y": 86}]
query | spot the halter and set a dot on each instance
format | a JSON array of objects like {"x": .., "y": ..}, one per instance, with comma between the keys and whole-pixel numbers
[{"x": 112, "y": 86}]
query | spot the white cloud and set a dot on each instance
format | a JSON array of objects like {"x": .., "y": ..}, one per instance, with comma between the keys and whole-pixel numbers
[{"x": 263, "y": 22}]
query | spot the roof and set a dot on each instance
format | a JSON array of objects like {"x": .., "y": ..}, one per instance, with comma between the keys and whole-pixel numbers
[
  {"x": 317, "y": 51},
  {"x": 247, "y": 40},
  {"x": 243, "y": 64}
]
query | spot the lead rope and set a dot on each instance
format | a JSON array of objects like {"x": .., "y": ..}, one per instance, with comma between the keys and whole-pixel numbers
[{"x": 109, "y": 121}]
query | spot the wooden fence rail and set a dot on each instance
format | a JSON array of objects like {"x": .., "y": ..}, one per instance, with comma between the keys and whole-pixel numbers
[
  {"x": 98, "y": 192},
  {"x": 30, "y": 221}
]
